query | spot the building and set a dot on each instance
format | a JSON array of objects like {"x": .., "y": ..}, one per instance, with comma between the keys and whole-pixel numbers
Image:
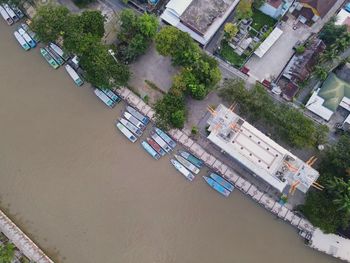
[
  {"x": 309, "y": 11},
  {"x": 275, "y": 8},
  {"x": 200, "y": 18},
  {"x": 343, "y": 18},
  {"x": 334, "y": 92},
  {"x": 257, "y": 153},
  {"x": 268, "y": 42}
]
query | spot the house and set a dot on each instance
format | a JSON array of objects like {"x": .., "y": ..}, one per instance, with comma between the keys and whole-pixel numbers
[
  {"x": 334, "y": 92},
  {"x": 343, "y": 18},
  {"x": 275, "y": 8},
  {"x": 309, "y": 11},
  {"x": 200, "y": 18},
  {"x": 257, "y": 153}
]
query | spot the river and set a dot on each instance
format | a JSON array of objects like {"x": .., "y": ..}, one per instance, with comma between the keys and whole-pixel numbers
[{"x": 83, "y": 193}]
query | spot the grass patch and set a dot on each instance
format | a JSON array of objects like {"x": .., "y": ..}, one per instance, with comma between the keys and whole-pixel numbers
[
  {"x": 260, "y": 19},
  {"x": 231, "y": 56}
]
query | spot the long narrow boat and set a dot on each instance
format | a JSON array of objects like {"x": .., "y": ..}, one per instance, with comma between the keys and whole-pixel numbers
[
  {"x": 21, "y": 41},
  {"x": 165, "y": 137},
  {"x": 17, "y": 11},
  {"x": 131, "y": 127},
  {"x": 12, "y": 14},
  {"x": 156, "y": 146},
  {"x": 106, "y": 100},
  {"x": 138, "y": 115},
  {"x": 150, "y": 150},
  {"x": 74, "y": 75},
  {"x": 189, "y": 157},
  {"x": 48, "y": 58},
  {"x": 216, "y": 186},
  {"x": 56, "y": 57},
  {"x": 182, "y": 170},
  {"x": 126, "y": 132},
  {"x": 30, "y": 32},
  {"x": 6, "y": 16},
  {"x": 26, "y": 37},
  {"x": 59, "y": 51},
  {"x": 187, "y": 164},
  {"x": 133, "y": 120},
  {"x": 222, "y": 181},
  {"x": 160, "y": 141},
  {"x": 112, "y": 95}
]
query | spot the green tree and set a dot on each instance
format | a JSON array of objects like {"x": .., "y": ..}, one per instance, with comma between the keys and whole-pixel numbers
[
  {"x": 128, "y": 24},
  {"x": 258, "y": 3},
  {"x": 320, "y": 72},
  {"x": 7, "y": 253},
  {"x": 92, "y": 22},
  {"x": 331, "y": 32},
  {"x": 50, "y": 22},
  {"x": 244, "y": 9},
  {"x": 83, "y": 3},
  {"x": 230, "y": 30},
  {"x": 148, "y": 25},
  {"x": 300, "y": 49}
]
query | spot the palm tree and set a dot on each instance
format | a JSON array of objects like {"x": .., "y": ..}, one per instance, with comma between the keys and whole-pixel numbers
[
  {"x": 343, "y": 203},
  {"x": 7, "y": 253},
  {"x": 330, "y": 54},
  {"x": 320, "y": 72}
]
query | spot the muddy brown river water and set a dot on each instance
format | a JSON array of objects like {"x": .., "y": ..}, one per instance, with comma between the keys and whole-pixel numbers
[{"x": 85, "y": 194}]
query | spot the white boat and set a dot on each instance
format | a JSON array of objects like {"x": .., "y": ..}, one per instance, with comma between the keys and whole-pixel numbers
[
  {"x": 133, "y": 120},
  {"x": 138, "y": 115},
  {"x": 30, "y": 32},
  {"x": 182, "y": 170},
  {"x": 26, "y": 37},
  {"x": 106, "y": 100},
  {"x": 21, "y": 41},
  {"x": 12, "y": 14},
  {"x": 131, "y": 127},
  {"x": 74, "y": 75},
  {"x": 59, "y": 51},
  {"x": 5, "y": 16},
  {"x": 160, "y": 141},
  {"x": 126, "y": 132},
  {"x": 191, "y": 167}
]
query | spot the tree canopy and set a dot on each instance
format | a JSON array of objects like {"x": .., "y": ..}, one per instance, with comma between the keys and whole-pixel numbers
[
  {"x": 244, "y": 9},
  {"x": 230, "y": 30},
  {"x": 7, "y": 253}
]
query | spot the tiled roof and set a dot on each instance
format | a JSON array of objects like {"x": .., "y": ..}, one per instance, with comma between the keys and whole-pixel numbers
[{"x": 321, "y": 6}]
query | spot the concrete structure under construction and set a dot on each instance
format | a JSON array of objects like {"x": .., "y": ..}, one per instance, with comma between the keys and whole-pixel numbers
[
  {"x": 259, "y": 154},
  {"x": 200, "y": 18}
]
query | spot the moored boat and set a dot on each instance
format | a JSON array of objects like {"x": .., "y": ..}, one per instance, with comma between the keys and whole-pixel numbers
[
  {"x": 216, "y": 186},
  {"x": 165, "y": 137},
  {"x": 12, "y": 14},
  {"x": 74, "y": 75},
  {"x": 111, "y": 94},
  {"x": 59, "y": 51},
  {"x": 5, "y": 16},
  {"x": 156, "y": 146},
  {"x": 21, "y": 41},
  {"x": 160, "y": 141},
  {"x": 17, "y": 11},
  {"x": 138, "y": 115},
  {"x": 191, "y": 167},
  {"x": 189, "y": 157},
  {"x": 222, "y": 181},
  {"x": 26, "y": 37},
  {"x": 131, "y": 127},
  {"x": 133, "y": 120},
  {"x": 150, "y": 150},
  {"x": 126, "y": 132},
  {"x": 182, "y": 170},
  {"x": 48, "y": 58},
  {"x": 106, "y": 100},
  {"x": 56, "y": 57},
  {"x": 30, "y": 32}
]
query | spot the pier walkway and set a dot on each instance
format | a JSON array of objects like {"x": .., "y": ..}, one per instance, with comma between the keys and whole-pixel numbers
[
  {"x": 22, "y": 241},
  {"x": 242, "y": 184}
]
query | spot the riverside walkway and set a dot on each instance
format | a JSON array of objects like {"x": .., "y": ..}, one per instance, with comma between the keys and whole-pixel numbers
[
  {"x": 22, "y": 241},
  {"x": 336, "y": 249}
]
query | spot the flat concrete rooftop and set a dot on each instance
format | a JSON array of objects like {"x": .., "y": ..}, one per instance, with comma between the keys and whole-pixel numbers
[{"x": 201, "y": 14}]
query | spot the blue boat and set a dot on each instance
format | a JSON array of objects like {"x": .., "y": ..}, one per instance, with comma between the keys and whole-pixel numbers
[
  {"x": 189, "y": 157},
  {"x": 144, "y": 119},
  {"x": 150, "y": 150},
  {"x": 216, "y": 186},
  {"x": 222, "y": 181},
  {"x": 165, "y": 137},
  {"x": 111, "y": 94}
]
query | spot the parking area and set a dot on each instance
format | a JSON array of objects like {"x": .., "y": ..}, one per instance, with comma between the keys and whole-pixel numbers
[{"x": 272, "y": 63}]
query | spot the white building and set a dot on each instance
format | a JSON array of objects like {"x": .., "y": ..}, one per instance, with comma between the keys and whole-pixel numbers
[
  {"x": 200, "y": 18},
  {"x": 256, "y": 152},
  {"x": 275, "y": 8}
]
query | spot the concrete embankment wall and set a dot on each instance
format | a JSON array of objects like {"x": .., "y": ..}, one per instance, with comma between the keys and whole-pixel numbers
[
  {"x": 243, "y": 185},
  {"x": 22, "y": 241}
]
